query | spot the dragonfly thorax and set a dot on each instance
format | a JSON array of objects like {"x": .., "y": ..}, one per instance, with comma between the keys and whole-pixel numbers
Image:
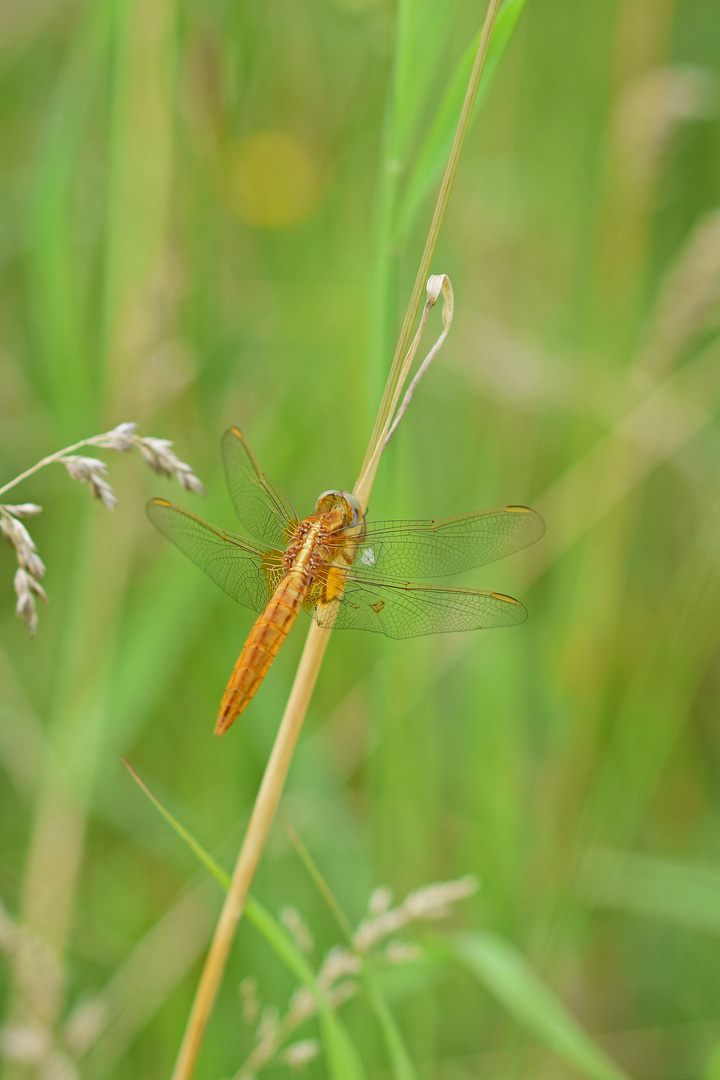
[{"x": 306, "y": 550}]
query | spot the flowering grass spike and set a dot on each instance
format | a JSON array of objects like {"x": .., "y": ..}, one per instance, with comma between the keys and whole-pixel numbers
[{"x": 157, "y": 453}]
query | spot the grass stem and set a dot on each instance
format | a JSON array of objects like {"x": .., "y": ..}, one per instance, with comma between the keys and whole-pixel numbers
[
  {"x": 276, "y": 771},
  {"x": 49, "y": 460},
  {"x": 252, "y": 848}
]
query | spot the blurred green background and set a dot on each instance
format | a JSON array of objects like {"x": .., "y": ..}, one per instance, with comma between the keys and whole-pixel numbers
[{"x": 201, "y": 224}]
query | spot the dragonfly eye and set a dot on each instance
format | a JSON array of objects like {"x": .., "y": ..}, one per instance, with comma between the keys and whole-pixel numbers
[
  {"x": 355, "y": 506},
  {"x": 341, "y": 500}
]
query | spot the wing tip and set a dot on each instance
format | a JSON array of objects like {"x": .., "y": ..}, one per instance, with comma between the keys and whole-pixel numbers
[
  {"x": 521, "y": 609},
  {"x": 539, "y": 521},
  {"x": 159, "y": 502}
]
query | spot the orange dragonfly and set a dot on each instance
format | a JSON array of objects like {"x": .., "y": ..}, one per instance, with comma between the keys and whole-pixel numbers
[{"x": 348, "y": 574}]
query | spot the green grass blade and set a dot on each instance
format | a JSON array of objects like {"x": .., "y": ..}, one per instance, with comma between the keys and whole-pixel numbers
[
  {"x": 509, "y": 978},
  {"x": 343, "y": 1059},
  {"x": 197, "y": 849},
  {"x": 435, "y": 148},
  {"x": 400, "y": 1060}
]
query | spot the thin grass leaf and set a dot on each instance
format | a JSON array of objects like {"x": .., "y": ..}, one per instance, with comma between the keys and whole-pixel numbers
[
  {"x": 509, "y": 978},
  {"x": 434, "y": 149},
  {"x": 343, "y": 1059},
  {"x": 400, "y": 1060},
  {"x": 197, "y": 849}
]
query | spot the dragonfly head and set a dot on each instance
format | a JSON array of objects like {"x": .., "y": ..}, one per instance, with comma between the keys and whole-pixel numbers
[{"x": 341, "y": 500}]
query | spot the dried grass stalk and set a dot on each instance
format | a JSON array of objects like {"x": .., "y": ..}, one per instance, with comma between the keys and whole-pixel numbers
[{"x": 317, "y": 639}]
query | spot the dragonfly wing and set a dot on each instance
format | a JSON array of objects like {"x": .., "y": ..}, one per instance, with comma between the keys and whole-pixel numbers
[
  {"x": 246, "y": 570},
  {"x": 446, "y": 545},
  {"x": 399, "y": 609},
  {"x": 264, "y": 510}
]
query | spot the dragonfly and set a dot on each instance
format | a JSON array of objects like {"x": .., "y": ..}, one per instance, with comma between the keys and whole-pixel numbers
[{"x": 346, "y": 572}]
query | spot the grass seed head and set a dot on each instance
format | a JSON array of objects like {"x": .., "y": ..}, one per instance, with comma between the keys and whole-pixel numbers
[
  {"x": 298, "y": 1054},
  {"x": 162, "y": 459},
  {"x": 157, "y": 453},
  {"x": 293, "y": 920}
]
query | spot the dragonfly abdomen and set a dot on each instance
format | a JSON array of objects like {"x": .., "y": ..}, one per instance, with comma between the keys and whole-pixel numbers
[{"x": 262, "y": 646}]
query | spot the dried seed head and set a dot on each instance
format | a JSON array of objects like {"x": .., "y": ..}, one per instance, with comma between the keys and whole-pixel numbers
[
  {"x": 248, "y": 997},
  {"x": 31, "y": 567},
  {"x": 299, "y": 929},
  {"x": 83, "y": 468},
  {"x": 160, "y": 456},
  {"x": 120, "y": 438},
  {"x": 338, "y": 974},
  {"x": 402, "y": 952},
  {"x": 18, "y": 537},
  {"x": 298, "y": 1054},
  {"x": 31, "y": 561},
  {"x": 380, "y": 900},
  {"x": 93, "y": 472},
  {"x": 302, "y": 1004},
  {"x": 338, "y": 963},
  {"x": 269, "y": 1020},
  {"x": 22, "y": 510},
  {"x": 27, "y": 588},
  {"x": 14, "y": 531},
  {"x": 370, "y": 931},
  {"x": 101, "y": 490},
  {"x": 431, "y": 902},
  {"x": 157, "y": 453}
]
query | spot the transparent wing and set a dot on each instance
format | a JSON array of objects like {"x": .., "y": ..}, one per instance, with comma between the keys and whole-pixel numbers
[
  {"x": 446, "y": 545},
  {"x": 246, "y": 570},
  {"x": 399, "y": 609},
  {"x": 263, "y": 509}
]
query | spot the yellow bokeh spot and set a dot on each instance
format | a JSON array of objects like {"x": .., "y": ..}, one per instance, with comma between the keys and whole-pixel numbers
[{"x": 273, "y": 181}]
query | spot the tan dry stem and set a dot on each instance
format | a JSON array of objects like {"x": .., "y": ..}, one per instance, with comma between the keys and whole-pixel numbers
[
  {"x": 366, "y": 479},
  {"x": 252, "y": 848},
  {"x": 276, "y": 771},
  {"x": 438, "y": 284}
]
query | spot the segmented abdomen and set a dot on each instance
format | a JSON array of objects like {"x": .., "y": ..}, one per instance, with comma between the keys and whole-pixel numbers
[{"x": 261, "y": 647}]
